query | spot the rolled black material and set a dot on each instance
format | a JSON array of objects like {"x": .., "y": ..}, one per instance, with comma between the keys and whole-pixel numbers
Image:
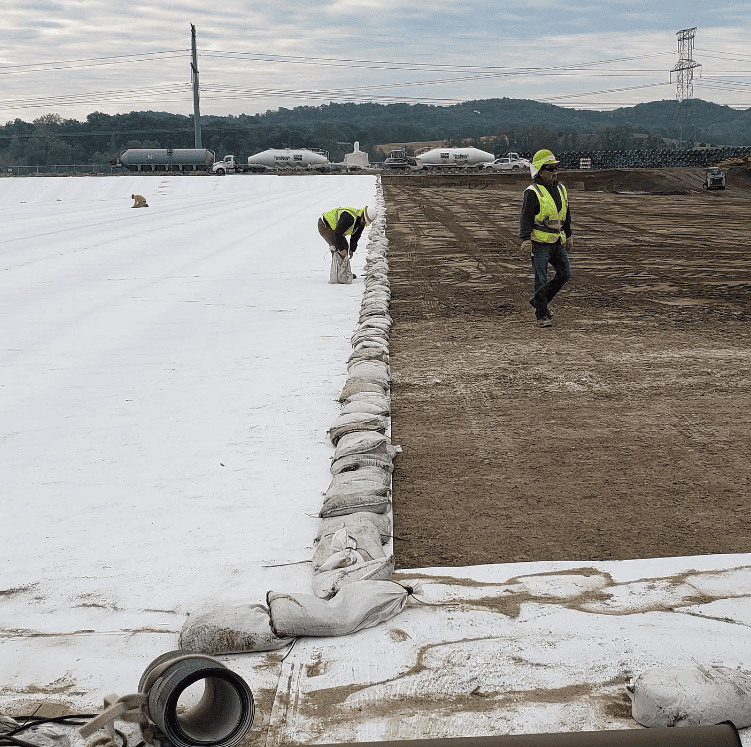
[
  {"x": 722, "y": 735},
  {"x": 222, "y": 717}
]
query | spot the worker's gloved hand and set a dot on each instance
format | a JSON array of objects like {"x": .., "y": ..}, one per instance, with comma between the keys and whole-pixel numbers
[
  {"x": 526, "y": 247},
  {"x": 570, "y": 244}
]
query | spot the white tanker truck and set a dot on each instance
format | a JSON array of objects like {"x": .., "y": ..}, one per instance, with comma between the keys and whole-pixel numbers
[
  {"x": 451, "y": 158},
  {"x": 290, "y": 158}
]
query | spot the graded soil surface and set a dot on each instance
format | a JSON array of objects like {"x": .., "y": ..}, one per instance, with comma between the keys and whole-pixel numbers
[{"x": 622, "y": 431}]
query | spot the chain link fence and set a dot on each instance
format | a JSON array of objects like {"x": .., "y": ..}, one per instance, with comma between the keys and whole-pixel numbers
[{"x": 60, "y": 169}]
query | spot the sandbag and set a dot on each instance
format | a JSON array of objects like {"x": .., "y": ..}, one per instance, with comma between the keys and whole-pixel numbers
[
  {"x": 363, "y": 406},
  {"x": 375, "y": 343},
  {"x": 363, "y": 604},
  {"x": 361, "y": 442},
  {"x": 359, "y": 476},
  {"x": 343, "y": 489},
  {"x": 366, "y": 534},
  {"x": 327, "y": 583},
  {"x": 230, "y": 629},
  {"x": 691, "y": 696},
  {"x": 351, "y": 503},
  {"x": 356, "y": 421},
  {"x": 358, "y": 461},
  {"x": 369, "y": 371},
  {"x": 379, "y": 399},
  {"x": 355, "y": 386},
  {"x": 341, "y": 271},
  {"x": 368, "y": 354}
]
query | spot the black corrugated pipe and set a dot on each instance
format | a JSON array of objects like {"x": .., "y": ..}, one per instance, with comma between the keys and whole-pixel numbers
[
  {"x": 721, "y": 735},
  {"x": 222, "y": 717}
]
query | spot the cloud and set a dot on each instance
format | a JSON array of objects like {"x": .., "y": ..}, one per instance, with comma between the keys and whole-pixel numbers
[{"x": 145, "y": 48}]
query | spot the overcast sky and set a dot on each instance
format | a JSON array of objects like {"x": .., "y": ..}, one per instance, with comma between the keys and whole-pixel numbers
[{"x": 74, "y": 57}]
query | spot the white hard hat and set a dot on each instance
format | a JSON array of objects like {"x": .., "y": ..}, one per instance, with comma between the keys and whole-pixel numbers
[{"x": 370, "y": 214}]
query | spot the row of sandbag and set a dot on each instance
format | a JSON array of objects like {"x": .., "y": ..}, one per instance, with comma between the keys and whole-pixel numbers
[
  {"x": 355, "y": 532},
  {"x": 351, "y": 562}
]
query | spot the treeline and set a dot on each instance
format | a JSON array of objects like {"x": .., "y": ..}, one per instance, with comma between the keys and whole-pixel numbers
[{"x": 496, "y": 125}]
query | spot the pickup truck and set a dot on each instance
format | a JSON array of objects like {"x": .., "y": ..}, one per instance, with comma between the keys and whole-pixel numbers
[
  {"x": 509, "y": 162},
  {"x": 229, "y": 165}
]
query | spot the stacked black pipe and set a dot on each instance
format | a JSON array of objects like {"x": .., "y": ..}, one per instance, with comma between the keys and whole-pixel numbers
[{"x": 651, "y": 159}]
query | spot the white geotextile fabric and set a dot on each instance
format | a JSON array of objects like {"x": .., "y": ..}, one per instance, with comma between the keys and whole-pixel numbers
[
  {"x": 691, "y": 696},
  {"x": 362, "y": 604}
]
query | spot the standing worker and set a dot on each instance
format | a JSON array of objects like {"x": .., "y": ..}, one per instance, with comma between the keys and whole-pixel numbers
[
  {"x": 335, "y": 225},
  {"x": 545, "y": 231}
]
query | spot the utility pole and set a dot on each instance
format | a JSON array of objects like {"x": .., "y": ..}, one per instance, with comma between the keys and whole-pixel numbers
[
  {"x": 685, "y": 79},
  {"x": 194, "y": 76}
]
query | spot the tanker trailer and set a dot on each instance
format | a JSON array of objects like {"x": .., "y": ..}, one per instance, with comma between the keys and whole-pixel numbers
[
  {"x": 166, "y": 159},
  {"x": 452, "y": 158},
  {"x": 291, "y": 158}
]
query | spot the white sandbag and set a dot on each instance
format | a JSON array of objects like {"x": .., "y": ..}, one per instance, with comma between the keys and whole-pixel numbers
[
  {"x": 230, "y": 629},
  {"x": 370, "y": 333},
  {"x": 343, "y": 489},
  {"x": 356, "y": 421},
  {"x": 380, "y": 344},
  {"x": 351, "y": 503},
  {"x": 367, "y": 479},
  {"x": 361, "y": 442},
  {"x": 341, "y": 271},
  {"x": 362, "y": 604},
  {"x": 691, "y": 696},
  {"x": 365, "y": 475},
  {"x": 358, "y": 461},
  {"x": 374, "y": 397},
  {"x": 354, "y": 386},
  {"x": 362, "y": 532},
  {"x": 369, "y": 370},
  {"x": 369, "y": 353},
  {"x": 354, "y": 523},
  {"x": 363, "y": 406},
  {"x": 328, "y": 583}
]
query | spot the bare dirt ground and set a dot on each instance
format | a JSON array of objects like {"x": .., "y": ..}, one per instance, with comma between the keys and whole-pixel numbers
[{"x": 623, "y": 431}]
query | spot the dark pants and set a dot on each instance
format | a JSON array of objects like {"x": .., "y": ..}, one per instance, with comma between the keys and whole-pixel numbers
[{"x": 545, "y": 292}]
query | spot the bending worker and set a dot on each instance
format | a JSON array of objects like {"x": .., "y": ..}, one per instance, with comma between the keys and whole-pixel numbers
[
  {"x": 545, "y": 230},
  {"x": 335, "y": 225}
]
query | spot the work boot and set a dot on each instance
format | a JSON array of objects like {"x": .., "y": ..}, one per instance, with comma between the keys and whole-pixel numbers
[
  {"x": 544, "y": 322},
  {"x": 532, "y": 304}
]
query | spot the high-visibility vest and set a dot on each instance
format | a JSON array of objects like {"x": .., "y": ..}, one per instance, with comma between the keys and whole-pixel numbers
[
  {"x": 549, "y": 220},
  {"x": 332, "y": 217}
]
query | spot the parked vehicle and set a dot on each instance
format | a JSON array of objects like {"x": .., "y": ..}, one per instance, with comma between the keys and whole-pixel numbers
[
  {"x": 509, "y": 162},
  {"x": 229, "y": 165},
  {"x": 165, "y": 159},
  {"x": 715, "y": 178},
  {"x": 452, "y": 158},
  {"x": 290, "y": 158},
  {"x": 397, "y": 160}
]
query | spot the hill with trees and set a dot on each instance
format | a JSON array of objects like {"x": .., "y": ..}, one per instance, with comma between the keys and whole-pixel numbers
[{"x": 497, "y": 125}]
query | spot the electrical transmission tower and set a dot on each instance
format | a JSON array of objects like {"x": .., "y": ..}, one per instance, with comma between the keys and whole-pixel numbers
[{"x": 685, "y": 79}]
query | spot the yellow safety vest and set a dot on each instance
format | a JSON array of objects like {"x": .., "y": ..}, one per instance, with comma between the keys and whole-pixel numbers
[
  {"x": 549, "y": 220},
  {"x": 332, "y": 217}
]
